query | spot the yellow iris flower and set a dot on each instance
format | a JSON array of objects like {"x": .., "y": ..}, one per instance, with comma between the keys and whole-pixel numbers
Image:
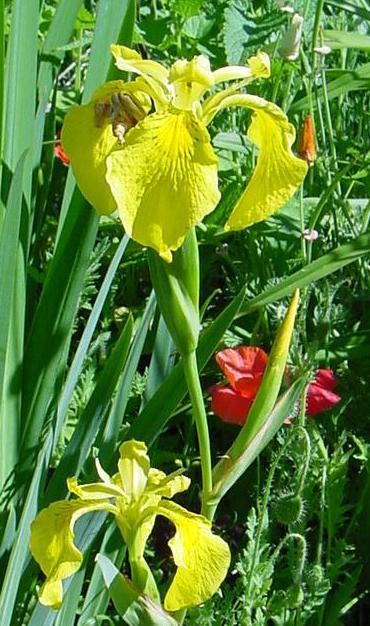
[
  {"x": 135, "y": 496},
  {"x": 143, "y": 147}
]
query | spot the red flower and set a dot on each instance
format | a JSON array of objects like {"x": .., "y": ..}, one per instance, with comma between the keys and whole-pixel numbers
[
  {"x": 60, "y": 154},
  {"x": 320, "y": 396},
  {"x": 229, "y": 405},
  {"x": 244, "y": 368}
]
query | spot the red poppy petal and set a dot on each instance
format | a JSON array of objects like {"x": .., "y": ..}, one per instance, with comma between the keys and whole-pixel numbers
[
  {"x": 244, "y": 368},
  {"x": 229, "y": 405},
  {"x": 320, "y": 399},
  {"x": 60, "y": 154},
  {"x": 326, "y": 379}
]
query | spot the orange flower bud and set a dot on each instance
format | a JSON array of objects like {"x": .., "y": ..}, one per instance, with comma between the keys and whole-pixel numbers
[{"x": 307, "y": 147}]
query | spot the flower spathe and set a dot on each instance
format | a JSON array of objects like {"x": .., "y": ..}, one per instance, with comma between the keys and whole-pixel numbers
[
  {"x": 143, "y": 147},
  {"x": 135, "y": 495}
]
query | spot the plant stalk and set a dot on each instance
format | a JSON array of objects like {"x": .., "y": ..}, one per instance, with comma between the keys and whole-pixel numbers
[{"x": 200, "y": 416}]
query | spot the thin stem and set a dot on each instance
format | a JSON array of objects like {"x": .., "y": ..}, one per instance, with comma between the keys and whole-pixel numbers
[{"x": 200, "y": 416}]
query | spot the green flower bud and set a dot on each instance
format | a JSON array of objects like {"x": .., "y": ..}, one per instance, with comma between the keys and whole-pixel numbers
[
  {"x": 288, "y": 509},
  {"x": 176, "y": 286}
]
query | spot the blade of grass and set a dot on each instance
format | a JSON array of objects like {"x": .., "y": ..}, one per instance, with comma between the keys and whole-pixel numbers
[
  {"x": 9, "y": 244},
  {"x": 90, "y": 421},
  {"x": 350, "y": 80},
  {"x": 97, "y": 597},
  {"x": 2, "y": 64},
  {"x": 111, "y": 431},
  {"x": 21, "y": 67},
  {"x": 19, "y": 552},
  {"x": 161, "y": 362},
  {"x": 83, "y": 345}
]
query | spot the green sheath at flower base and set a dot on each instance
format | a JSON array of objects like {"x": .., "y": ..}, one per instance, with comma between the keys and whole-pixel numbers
[
  {"x": 176, "y": 286},
  {"x": 143, "y": 147},
  {"x": 135, "y": 495}
]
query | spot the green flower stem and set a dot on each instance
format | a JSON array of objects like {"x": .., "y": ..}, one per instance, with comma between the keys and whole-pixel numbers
[{"x": 199, "y": 412}]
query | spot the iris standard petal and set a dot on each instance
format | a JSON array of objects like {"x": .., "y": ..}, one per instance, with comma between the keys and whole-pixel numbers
[
  {"x": 164, "y": 180},
  {"x": 278, "y": 172},
  {"x": 152, "y": 72},
  {"x": 52, "y": 546},
  {"x": 202, "y": 558},
  {"x": 133, "y": 466}
]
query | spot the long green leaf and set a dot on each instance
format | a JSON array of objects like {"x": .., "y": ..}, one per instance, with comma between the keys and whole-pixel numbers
[
  {"x": 227, "y": 472},
  {"x": 9, "y": 253},
  {"x": 110, "y": 434},
  {"x": 76, "y": 365},
  {"x": 21, "y": 67},
  {"x": 350, "y": 80},
  {"x": 338, "y": 39}
]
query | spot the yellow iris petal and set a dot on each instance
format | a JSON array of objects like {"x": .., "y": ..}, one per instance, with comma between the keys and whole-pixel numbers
[
  {"x": 258, "y": 67},
  {"x": 129, "y": 60},
  {"x": 202, "y": 558},
  {"x": 167, "y": 486},
  {"x": 278, "y": 172},
  {"x": 52, "y": 545},
  {"x": 164, "y": 180},
  {"x": 153, "y": 73},
  {"x": 87, "y": 138},
  {"x": 190, "y": 80},
  {"x": 133, "y": 467}
]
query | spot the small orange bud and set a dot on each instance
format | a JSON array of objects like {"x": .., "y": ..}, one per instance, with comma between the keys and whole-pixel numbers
[
  {"x": 307, "y": 147},
  {"x": 60, "y": 154}
]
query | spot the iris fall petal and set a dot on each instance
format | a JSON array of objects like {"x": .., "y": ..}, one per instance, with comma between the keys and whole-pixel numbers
[
  {"x": 164, "y": 180},
  {"x": 202, "y": 558}
]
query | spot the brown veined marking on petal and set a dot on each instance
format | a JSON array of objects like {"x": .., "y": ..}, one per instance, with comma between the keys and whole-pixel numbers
[
  {"x": 102, "y": 110},
  {"x": 307, "y": 147},
  {"x": 123, "y": 111},
  {"x": 126, "y": 113}
]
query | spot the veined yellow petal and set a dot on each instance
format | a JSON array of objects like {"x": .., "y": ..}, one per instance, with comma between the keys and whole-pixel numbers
[
  {"x": 52, "y": 546},
  {"x": 164, "y": 180},
  {"x": 87, "y": 137},
  {"x": 278, "y": 172},
  {"x": 87, "y": 146},
  {"x": 202, "y": 558}
]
